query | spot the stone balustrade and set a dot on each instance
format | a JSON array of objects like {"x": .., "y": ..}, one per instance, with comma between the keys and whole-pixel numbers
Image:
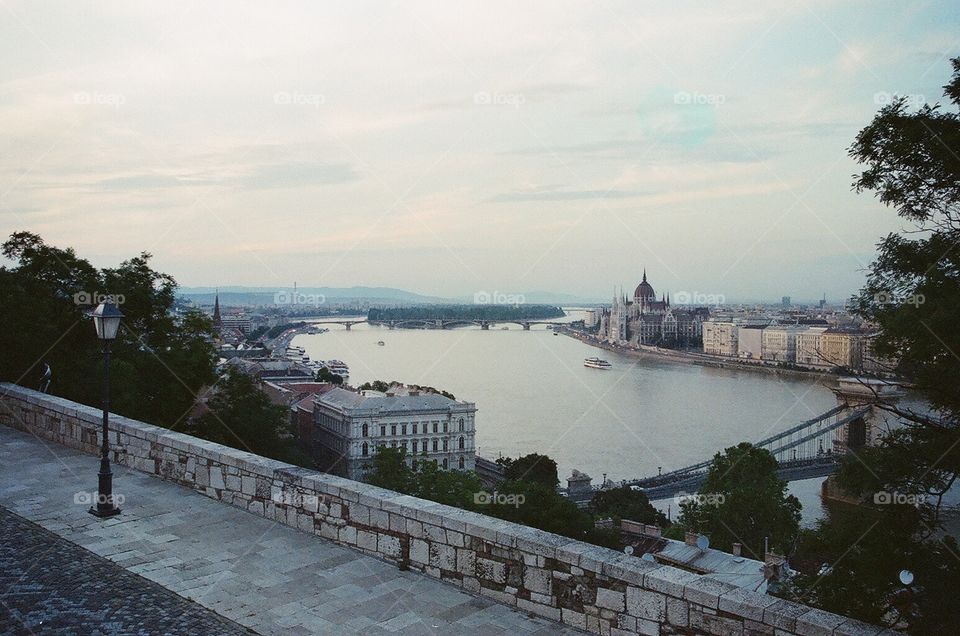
[{"x": 596, "y": 589}]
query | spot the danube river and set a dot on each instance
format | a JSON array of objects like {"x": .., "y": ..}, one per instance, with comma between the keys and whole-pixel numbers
[{"x": 533, "y": 394}]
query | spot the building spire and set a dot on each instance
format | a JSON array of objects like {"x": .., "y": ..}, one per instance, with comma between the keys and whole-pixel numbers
[
  {"x": 217, "y": 321},
  {"x": 644, "y": 274}
]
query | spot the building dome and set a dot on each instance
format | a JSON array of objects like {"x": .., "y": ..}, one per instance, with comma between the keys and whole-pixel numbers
[{"x": 644, "y": 290}]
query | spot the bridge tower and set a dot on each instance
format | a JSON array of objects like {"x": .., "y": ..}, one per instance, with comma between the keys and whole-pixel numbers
[
  {"x": 485, "y": 325},
  {"x": 348, "y": 325},
  {"x": 867, "y": 430},
  {"x": 526, "y": 326}
]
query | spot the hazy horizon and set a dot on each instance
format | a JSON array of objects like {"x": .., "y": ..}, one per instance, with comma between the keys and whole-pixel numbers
[{"x": 448, "y": 149}]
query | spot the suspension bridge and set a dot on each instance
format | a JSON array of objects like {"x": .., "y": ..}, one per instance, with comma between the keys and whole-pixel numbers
[{"x": 812, "y": 448}]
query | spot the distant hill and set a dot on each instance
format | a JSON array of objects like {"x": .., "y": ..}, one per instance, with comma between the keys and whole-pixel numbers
[{"x": 237, "y": 295}]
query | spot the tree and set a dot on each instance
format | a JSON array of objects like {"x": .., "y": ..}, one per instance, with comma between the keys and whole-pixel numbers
[
  {"x": 326, "y": 375},
  {"x": 160, "y": 362},
  {"x": 744, "y": 501},
  {"x": 912, "y": 295},
  {"x": 242, "y": 416},
  {"x": 626, "y": 503},
  {"x": 531, "y": 468}
]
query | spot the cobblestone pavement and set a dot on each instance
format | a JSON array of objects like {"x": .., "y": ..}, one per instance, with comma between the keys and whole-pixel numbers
[
  {"x": 263, "y": 575},
  {"x": 51, "y": 586}
]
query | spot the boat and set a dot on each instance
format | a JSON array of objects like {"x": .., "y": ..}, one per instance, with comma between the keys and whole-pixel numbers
[
  {"x": 596, "y": 363},
  {"x": 338, "y": 367},
  {"x": 380, "y": 343},
  {"x": 504, "y": 328}
]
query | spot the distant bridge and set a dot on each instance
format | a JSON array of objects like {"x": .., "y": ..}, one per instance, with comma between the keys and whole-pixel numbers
[
  {"x": 810, "y": 449},
  {"x": 439, "y": 323}
]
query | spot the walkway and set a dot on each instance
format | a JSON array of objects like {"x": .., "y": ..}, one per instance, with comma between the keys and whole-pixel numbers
[
  {"x": 51, "y": 586},
  {"x": 261, "y": 574}
]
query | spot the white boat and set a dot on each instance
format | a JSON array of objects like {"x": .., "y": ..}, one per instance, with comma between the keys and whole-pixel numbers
[
  {"x": 596, "y": 363},
  {"x": 338, "y": 367},
  {"x": 380, "y": 343}
]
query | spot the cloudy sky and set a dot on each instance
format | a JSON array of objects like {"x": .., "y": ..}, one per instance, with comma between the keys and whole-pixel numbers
[{"x": 450, "y": 147}]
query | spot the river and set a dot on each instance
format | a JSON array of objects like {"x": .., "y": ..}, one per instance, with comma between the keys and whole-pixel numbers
[{"x": 533, "y": 394}]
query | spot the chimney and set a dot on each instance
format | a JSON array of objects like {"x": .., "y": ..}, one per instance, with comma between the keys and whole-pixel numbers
[
  {"x": 690, "y": 538},
  {"x": 736, "y": 549}
]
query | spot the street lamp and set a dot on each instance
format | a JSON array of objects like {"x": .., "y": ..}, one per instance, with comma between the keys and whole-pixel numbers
[{"x": 106, "y": 320}]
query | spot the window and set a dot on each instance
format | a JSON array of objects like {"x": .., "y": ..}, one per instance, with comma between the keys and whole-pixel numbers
[
  {"x": 426, "y": 444},
  {"x": 435, "y": 429},
  {"x": 403, "y": 429},
  {"x": 403, "y": 445},
  {"x": 364, "y": 450},
  {"x": 383, "y": 431},
  {"x": 445, "y": 463},
  {"x": 444, "y": 445},
  {"x": 366, "y": 430},
  {"x": 393, "y": 429},
  {"x": 414, "y": 447},
  {"x": 393, "y": 444},
  {"x": 461, "y": 443},
  {"x": 460, "y": 463},
  {"x": 461, "y": 423},
  {"x": 445, "y": 425},
  {"x": 414, "y": 428},
  {"x": 435, "y": 444}
]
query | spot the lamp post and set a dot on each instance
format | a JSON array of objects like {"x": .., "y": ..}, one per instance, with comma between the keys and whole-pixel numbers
[{"x": 106, "y": 320}]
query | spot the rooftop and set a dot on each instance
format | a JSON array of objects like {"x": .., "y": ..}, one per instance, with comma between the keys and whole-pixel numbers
[{"x": 344, "y": 400}]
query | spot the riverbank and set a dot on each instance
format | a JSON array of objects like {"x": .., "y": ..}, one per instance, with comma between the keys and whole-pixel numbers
[{"x": 689, "y": 357}]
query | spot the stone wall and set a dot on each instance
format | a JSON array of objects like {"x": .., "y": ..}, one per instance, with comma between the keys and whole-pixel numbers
[{"x": 592, "y": 588}]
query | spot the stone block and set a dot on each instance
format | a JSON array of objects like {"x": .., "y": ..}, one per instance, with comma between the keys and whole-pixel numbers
[
  {"x": 443, "y": 556},
  {"x": 493, "y": 571},
  {"x": 367, "y": 540},
  {"x": 705, "y": 591},
  {"x": 466, "y": 562},
  {"x": 646, "y": 604},
  {"x": 389, "y": 546},
  {"x": 609, "y": 599},
  {"x": 784, "y": 614},
  {"x": 746, "y": 603},
  {"x": 538, "y": 580},
  {"x": 419, "y": 551},
  {"x": 248, "y": 485}
]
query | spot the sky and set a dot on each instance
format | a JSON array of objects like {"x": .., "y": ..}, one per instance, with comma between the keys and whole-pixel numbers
[{"x": 448, "y": 148}]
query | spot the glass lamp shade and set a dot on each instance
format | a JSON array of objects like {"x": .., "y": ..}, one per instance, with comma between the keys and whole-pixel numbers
[{"x": 106, "y": 320}]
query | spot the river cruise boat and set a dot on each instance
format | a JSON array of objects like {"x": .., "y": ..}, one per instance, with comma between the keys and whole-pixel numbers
[
  {"x": 596, "y": 363},
  {"x": 338, "y": 367}
]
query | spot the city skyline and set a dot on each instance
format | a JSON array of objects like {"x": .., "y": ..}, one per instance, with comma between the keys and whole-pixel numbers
[{"x": 471, "y": 149}]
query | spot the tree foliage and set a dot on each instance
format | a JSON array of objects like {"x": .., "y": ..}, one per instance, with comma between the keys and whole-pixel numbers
[
  {"x": 744, "y": 501},
  {"x": 626, "y": 503},
  {"x": 159, "y": 362},
  {"x": 242, "y": 416},
  {"x": 912, "y": 295},
  {"x": 532, "y": 468}
]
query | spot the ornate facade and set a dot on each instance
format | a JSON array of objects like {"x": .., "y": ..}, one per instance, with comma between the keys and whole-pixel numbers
[{"x": 646, "y": 320}]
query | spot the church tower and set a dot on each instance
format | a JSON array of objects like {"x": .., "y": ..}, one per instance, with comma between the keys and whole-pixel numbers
[{"x": 217, "y": 320}]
